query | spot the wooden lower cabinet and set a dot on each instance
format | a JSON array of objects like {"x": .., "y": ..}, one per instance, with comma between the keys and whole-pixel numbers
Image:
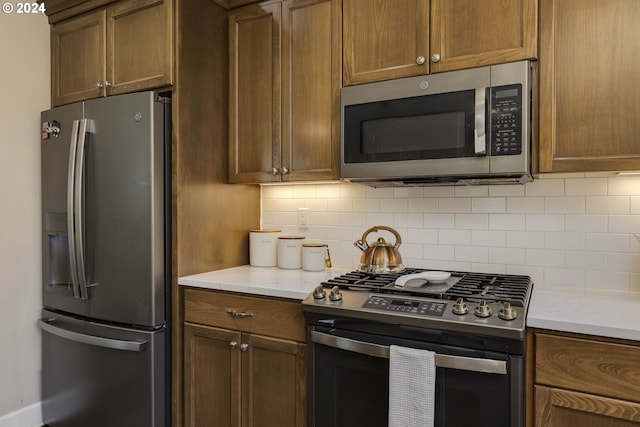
[
  {"x": 235, "y": 378},
  {"x": 583, "y": 381}
]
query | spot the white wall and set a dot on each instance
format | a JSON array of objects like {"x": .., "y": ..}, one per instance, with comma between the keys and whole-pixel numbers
[
  {"x": 24, "y": 92},
  {"x": 570, "y": 231}
]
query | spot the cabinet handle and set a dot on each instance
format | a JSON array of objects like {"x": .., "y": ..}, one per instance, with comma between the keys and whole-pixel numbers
[
  {"x": 233, "y": 345},
  {"x": 285, "y": 171},
  {"x": 99, "y": 85},
  {"x": 435, "y": 57},
  {"x": 420, "y": 60},
  {"x": 244, "y": 347},
  {"x": 239, "y": 314},
  {"x": 107, "y": 84},
  {"x": 274, "y": 171}
]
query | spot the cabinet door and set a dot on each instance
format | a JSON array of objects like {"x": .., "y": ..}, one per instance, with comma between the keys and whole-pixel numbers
[
  {"x": 140, "y": 45},
  {"x": 77, "y": 58},
  {"x": 563, "y": 408},
  {"x": 254, "y": 93},
  {"x": 211, "y": 376},
  {"x": 311, "y": 69},
  {"x": 472, "y": 33},
  {"x": 589, "y": 85},
  {"x": 384, "y": 39},
  {"x": 273, "y": 382}
]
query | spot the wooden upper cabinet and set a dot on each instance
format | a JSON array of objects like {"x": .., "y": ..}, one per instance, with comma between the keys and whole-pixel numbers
[
  {"x": 284, "y": 83},
  {"x": 589, "y": 85},
  {"x": 387, "y": 39},
  {"x": 140, "y": 45},
  {"x": 77, "y": 58},
  {"x": 471, "y": 33},
  {"x": 125, "y": 47},
  {"x": 254, "y": 93},
  {"x": 384, "y": 39}
]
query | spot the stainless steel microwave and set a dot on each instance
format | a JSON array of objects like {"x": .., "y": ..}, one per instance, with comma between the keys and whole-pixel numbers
[{"x": 460, "y": 127}]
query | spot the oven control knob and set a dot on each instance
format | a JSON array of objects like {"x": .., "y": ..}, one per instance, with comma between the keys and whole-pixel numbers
[
  {"x": 460, "y": 307},
  {"x": 482, "y": 310},
  {"x": 318, "y": 292},
  {"x": 335, "y": 294},
  {"x": 507, "y": 313}
]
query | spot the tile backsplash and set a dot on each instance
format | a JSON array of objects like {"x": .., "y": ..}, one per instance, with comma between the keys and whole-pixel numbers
[{"x": 578, "y": 231}]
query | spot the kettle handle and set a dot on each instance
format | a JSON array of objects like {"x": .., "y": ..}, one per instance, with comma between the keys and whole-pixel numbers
[{"x": 382, "y": 227}]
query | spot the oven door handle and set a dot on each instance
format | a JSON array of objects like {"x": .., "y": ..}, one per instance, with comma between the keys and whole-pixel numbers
[{"x": 473, "y": 364}]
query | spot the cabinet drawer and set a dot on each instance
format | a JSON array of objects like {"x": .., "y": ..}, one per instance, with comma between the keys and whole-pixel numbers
[
  {"x": 582, "y": 364},
  {"x": 265, "y": 316}
]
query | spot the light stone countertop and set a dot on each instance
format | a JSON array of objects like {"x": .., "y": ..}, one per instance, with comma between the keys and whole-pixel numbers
[{"x": 599, "y": 313}]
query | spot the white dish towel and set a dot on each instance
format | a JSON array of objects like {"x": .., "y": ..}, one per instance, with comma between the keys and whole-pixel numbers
[{"x": 412, "y": 380}]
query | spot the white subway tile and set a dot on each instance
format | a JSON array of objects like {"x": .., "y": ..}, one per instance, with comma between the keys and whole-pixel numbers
[
  {"x": 429, "y": 204},
  {"x": 410, "y": 250},
  {"x": 408, "y": 220},
  {"x": 614, "y": 280},
  {"x": 454, "y": 266},
  {"x": 340, "y": 205},
  {"x": 353, "y": 190},
  {"x": 506, "y": 191},
  {"x": 366, "y": 205},
  {"x": 525, "y": 205},
  {"x": 408, "y": 192},
  {"x": 489, "y": 205},
  {"x": 634, "y": 282},
  {"x": 452, "y": 205},
  {"x": 634, "y": 207},
  {"x": 439, "y": 221},
  {"x": 564, "y": 205},
  {"x": 562, "y": 240},
  {"x": 454, "y": 237},
  {"x": 393, "y": 205},
  {"x": 471, "y": 191},
  {"x": 292, "y": 205},
  {"x": 525, "y": 239},
  {"x": 304, "y": 191},
  {"x": 545, "y": 187},
  {"x": 488, "y": 268},
  {"x": 488, "y": 238},
  {"x": 276, "y": 191},
  {"x": 624, "y": 223},
  {"x": 328, "y": 190},
  {"x": 607, "y": 205},
  {"x": 272, "y": 205},
  {"x": 586, "y": 187},
  {"x": 325, "y": 219},
  {"x": 379, "y": 193},
  {"x": 607, "y": 242},
  {"x": 544, "y": 222},
  {"x": 585, "y": 260},
  {"x": 317, "y": 205},
  {"x": 507, "y": 256},
  {"x": 623, "y": 262},
  {"x": 507, "y": 222},
  {"x": 472, "y": 221},
  {"x": 544, "y": 258},
  {"x": 471, "y": 254},
  {"x": 420, "y": 235},
  {"x": 586, "y": 223},
  {"x": 624, "y": 185},
  {"x": 563, "y": 277},
  {"x": 439, "y": 252},
  {"x": 373, "y": 219},
  {"x": 438, "y": 191}
]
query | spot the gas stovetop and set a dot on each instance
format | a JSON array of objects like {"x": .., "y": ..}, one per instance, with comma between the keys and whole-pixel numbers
[{"x": 484, "y": 303}]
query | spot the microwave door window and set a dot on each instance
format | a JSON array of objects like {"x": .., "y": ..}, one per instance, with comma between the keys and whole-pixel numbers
[{"x": 419, "y": 128}]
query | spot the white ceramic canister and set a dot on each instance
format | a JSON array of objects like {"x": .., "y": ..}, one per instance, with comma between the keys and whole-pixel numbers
[
  {"x": 263, "y": 248},
  {"x": 290, "y": 252},
  {"x": 314, "y": 256}
]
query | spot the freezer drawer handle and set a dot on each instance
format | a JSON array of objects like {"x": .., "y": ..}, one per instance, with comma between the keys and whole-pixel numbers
[
  {"x": 442, "y": 360},
  {"x": 239, "y": 314},
  {"x": 136, "y": 345}
]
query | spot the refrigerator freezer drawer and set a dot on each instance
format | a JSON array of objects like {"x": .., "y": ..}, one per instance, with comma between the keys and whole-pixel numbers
[{"x": 100, "y": 375}]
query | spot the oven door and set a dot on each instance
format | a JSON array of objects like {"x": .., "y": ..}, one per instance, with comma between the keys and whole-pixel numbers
[{"x": 349, "y": 382}]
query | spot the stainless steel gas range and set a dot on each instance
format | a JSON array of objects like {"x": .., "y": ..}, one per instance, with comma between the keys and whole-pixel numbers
[{"x": 474, "y": 322}]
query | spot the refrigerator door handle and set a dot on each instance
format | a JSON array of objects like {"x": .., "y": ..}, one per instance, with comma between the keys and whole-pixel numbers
[
  {"x": 135, "y": 345},
  {"x": 71, "y": 209},
  {"x": 78, "y": 201}
]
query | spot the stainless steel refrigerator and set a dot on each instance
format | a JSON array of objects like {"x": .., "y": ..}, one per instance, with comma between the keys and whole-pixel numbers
[{"x": 106, "y": 262}]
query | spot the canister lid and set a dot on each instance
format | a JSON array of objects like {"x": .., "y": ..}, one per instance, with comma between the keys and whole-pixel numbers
[
  {"x": 291, "y": 237},
  {"x": 314, "y": 245},
  {"x": 265, "y": 231}
]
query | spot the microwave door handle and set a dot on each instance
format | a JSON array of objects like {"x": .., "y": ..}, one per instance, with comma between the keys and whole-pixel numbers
[
  {"x": 71, "y": 209},
  {"x": 472, "y": 364},
  {"x": 480, "y": 122}
]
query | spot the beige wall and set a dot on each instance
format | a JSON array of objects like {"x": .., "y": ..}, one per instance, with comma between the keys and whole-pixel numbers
[{"x": 24, "y": 92}]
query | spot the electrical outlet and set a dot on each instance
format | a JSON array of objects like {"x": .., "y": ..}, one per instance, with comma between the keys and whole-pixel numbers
[{"x": 303, "y": 218}]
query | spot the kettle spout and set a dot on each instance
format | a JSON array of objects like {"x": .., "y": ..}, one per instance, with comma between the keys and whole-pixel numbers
[{"x": 362, "y": 245}]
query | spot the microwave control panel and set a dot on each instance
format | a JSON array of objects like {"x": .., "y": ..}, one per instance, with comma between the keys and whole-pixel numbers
[{"x": 506, "y": 120}]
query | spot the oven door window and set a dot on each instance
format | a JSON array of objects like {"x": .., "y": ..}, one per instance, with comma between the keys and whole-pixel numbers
[
  {"x": 352, "y": 389},
  {"x": 419, "y": 128}
]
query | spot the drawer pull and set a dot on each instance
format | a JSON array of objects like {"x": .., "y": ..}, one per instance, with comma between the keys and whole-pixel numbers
[
  {"x": 233, "y": 345},
  {"x": 244, "y": 347},
  {"x": 239, "y": 314}
]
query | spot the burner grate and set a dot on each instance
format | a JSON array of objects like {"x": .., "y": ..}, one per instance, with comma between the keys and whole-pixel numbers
[{"x": 492, "y": 288}]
